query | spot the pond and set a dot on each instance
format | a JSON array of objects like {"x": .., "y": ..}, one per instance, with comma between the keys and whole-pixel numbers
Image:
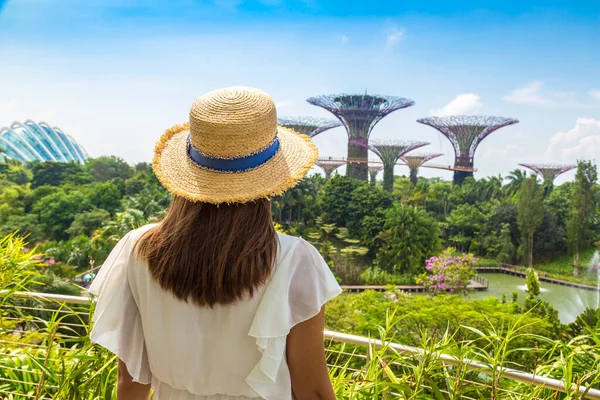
[{"x": 569, "y": 301}]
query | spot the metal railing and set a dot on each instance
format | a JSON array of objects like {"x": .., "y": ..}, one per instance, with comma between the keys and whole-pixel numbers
[
  {"x": 484, "y": 281},
  {"x": 45, "y": 302}
]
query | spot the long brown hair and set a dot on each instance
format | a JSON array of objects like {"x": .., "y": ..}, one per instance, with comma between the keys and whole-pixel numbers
[{"x": 211, "y": 254}]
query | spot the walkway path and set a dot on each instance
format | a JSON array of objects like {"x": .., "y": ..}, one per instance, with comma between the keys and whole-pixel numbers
[
  {"x": 513, "y": 271},
  {"x": 475, "y": 285}
]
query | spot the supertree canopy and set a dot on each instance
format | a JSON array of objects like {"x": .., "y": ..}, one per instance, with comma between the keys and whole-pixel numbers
[
  {"x": 465, "y": 132},
  {"x": 389, "y": 151},
  {"x": 328, "y": 166},
  {"x": 549, "y": 172},
  {"x": 414, "y": 162},
  {"x": 373, "y": 171},
  {"x": 359, "y": 113},
  {"x": 310, "y": 126}
]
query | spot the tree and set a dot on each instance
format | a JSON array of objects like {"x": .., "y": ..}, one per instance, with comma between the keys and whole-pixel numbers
[
  {"x": 86, "y": 222},
  {"x": 366, "y": 213},
  {"x": 103, "y": 169},
  {"x": 464, "y": 224},
  {"x": 337, "y": 196},
  {"x": 57, "y": 212},
  {"x": 584, "y": 198},
  {"x": 515, "y": 179},
  {"x": 105, "y": 195},
  {"x": 530, "y": 213},
  {"x": 50, "y": 173},
  {"x": 533, "y": 283},
  {"x": 410, "y": 236}
]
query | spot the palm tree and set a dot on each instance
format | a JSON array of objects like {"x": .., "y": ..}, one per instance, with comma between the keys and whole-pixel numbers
[{"x": 515, "y": 179}]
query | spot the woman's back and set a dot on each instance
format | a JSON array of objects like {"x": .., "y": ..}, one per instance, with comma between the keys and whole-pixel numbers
[
  {"x": 212, "y": 303},
  {"x": 227, "y": 351}
]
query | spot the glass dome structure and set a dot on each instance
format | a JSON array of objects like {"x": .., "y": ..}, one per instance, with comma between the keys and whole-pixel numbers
[{"x": 30, "y": 141}]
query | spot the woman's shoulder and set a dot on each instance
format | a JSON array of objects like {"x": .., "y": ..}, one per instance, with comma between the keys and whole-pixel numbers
[
  {"x": 135, "y": 234},
  {"x": 287, "y": 242}
]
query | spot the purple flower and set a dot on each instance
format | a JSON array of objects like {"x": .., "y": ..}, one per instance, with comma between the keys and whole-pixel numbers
[{"x": 50, "y": 262}]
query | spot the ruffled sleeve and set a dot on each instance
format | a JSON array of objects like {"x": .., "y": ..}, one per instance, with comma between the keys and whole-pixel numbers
[
  {"x": 117, "y": 321},
  {"x": 300, "y": 287}
]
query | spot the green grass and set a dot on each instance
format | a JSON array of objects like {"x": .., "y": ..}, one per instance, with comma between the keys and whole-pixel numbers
[{"x": 562, "y": 268}]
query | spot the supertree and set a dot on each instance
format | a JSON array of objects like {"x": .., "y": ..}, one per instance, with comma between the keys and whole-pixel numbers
[
  {"x": 373, "y": 171},
  {"x": 414, "y": 162},
  {"x": 549, "y": 172},
  {"x": 328, "y": 166},
  {"x": 465, "y": 132},
  {"x": 359, "y": 113},
  {"x": 310, "y": 126},
  {"x": 389, "y": 151}
]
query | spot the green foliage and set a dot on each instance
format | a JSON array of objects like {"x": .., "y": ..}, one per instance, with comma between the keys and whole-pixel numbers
[
  {"x": 88, "y": 221},
  {"x": 588, "y": 320},
  {"x": 106, "y": 196},
  {"x": 464, "y": 225},
  {"x": 337, "y": 197},
  {"x": 377, "y": 276},
  {"x": 448, "y": 273},
  {"x": 103, "y": 169},
  {"x": 530, "y": 213},
  {"x": 533, "y": 283},
  {"x": 410, "y": 236},
  {"x": 51, "y": 173},
  {"x": 584, "y": 200},
  {"x": 57, "y": 212}
]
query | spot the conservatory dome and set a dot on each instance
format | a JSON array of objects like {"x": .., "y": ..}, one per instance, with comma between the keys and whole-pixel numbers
[{"x": 30, "y": 141}]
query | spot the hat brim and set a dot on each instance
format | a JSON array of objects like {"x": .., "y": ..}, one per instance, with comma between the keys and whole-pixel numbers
[{"x": 182, "y": 177}]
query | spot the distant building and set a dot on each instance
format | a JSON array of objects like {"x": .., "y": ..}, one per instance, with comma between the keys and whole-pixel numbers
[{"x": 30, "y": 141}]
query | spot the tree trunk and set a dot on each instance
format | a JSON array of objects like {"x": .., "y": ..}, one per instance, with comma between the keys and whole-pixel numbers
[
  {"x": 576, "y": 264},
  {"x": 413, "y": 175},
  {"x": 279, "y": 216},
  {"x": 388, "y": 177},
  {"x": 357, "y": 170},
  {"x": 531, "y": 251}
]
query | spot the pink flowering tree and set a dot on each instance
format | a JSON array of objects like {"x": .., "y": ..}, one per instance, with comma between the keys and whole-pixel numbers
[{"x": 448, "y": 273}]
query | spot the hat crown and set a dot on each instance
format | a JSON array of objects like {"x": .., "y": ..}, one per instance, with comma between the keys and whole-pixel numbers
[{"x": 233, "y": 122}]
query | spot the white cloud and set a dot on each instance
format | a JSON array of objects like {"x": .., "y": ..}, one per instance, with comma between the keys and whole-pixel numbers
[
  {"x": 580, "y": 142},
  {"x": 504, "y": 151},
  {"x": 394, "y": 36},
  {"x": 466, "y": 103},
  {"x": 344, "y": 39},
  {"x": 284, "y": 104},
  {"x": 528, "y": 94},
  {"x": 595, "y": 93}
]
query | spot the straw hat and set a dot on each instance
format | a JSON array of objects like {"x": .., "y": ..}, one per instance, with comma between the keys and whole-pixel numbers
[{"x": 232, "y": 150}]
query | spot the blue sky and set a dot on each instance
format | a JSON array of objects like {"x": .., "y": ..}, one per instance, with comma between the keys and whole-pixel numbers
[{"x": 115, "y": 74}]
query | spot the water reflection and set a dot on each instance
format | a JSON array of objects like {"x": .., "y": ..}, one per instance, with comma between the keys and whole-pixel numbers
[{"x": 569, "y": 301}]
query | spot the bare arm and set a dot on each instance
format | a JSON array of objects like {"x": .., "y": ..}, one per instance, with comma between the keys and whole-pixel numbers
[
  {"x": 306, "y": 360},
  {"x": 127, "y": 389}
]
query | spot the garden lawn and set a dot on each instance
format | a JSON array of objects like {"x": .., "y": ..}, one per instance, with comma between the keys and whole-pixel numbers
[{"x": 562, "y": 268}]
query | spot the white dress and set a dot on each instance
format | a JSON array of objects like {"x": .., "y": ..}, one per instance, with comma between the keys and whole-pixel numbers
[{"x": 186, "y": 352}]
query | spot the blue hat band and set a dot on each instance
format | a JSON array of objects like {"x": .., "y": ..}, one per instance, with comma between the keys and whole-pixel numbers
[{"x": 235, "y": 164}]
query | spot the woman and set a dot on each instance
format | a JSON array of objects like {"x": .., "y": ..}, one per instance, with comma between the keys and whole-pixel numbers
[{"x": 212, "y": 303}]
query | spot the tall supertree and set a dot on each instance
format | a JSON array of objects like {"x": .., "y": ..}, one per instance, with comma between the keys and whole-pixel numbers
[
  {"x": 549, "y": 172},
  {"x": 465, "y": 132},
  {"x": 359, "y": 113},
  {"x": 389, "y": 151},
  {"x": 373, "y": 171},
  {"x": 328, "y": 166},
  {"x": 310, "y": 126},
  {"x": 414, "y": 162}
]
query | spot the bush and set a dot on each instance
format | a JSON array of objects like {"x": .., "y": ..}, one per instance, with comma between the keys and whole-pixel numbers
[{"x": 448, "y": 273}]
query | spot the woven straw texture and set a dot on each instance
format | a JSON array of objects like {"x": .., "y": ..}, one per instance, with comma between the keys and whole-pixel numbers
[{"x": 227, "y": 123}]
